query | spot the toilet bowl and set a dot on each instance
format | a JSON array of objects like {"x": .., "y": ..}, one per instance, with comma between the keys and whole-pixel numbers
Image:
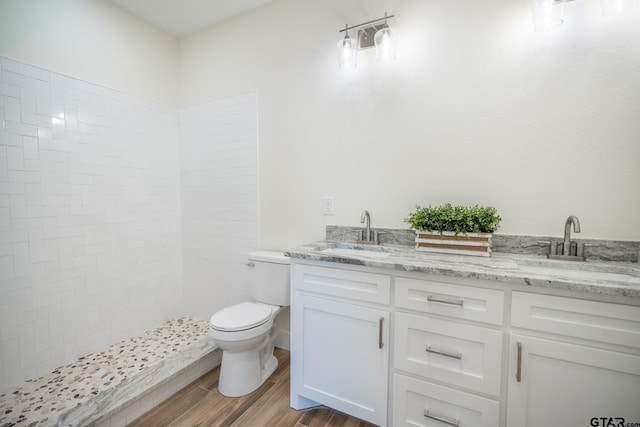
[{"x": 246, "y": 332}]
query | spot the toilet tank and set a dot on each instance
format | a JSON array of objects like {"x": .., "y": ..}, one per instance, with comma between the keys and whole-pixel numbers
[{"x": 269, "y": 277}]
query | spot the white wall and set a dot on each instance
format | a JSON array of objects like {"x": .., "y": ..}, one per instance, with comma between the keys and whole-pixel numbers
[
  {"x": 219, "y": 193},
  {"x": 478, "y": 108},
  {"x": 89, "y": 219},
  {"x": 91, "y": 40}
]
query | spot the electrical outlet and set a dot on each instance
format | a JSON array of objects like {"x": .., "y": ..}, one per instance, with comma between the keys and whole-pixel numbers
[{"x": 327, "y": 205}]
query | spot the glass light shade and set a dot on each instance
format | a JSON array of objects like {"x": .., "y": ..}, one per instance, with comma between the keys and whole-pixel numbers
[
  {"x": 615, "y": 7},
  {"x": 347, "y": 53},
  {"x": 547, "y": 14},
  {"x": 385, "y": 42}
]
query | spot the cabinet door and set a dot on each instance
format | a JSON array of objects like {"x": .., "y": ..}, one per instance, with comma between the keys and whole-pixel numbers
[
  {"x": 340, "y": 356},
  {"x": 559, "y": 384}
]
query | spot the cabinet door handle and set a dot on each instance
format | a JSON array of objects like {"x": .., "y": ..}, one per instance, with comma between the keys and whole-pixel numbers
[
  {"x": 447, "y": 421},
  {"x": 450, "y": 354},
  {"x": 458, "y": 302},
  {"x": 519, "y": 363},
  {"x": 380, "y": 328}
]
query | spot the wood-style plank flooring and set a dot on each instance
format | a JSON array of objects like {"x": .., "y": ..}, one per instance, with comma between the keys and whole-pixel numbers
[{"x": 200, "y": 404}]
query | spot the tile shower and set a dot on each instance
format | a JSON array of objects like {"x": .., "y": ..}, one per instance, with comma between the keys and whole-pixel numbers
[{"x": 91, "y": 195}]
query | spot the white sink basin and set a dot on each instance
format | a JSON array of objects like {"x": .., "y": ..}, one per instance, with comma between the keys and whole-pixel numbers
[
  {"x": 355, "y": 252},
  {"x": 575, "y": 273}
]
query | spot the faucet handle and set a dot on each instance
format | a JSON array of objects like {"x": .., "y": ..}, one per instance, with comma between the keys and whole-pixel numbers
[{"x": 376, "y": 236}]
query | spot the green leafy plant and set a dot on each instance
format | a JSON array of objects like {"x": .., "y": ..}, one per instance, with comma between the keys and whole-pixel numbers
[{"x": 457, "y": 219}]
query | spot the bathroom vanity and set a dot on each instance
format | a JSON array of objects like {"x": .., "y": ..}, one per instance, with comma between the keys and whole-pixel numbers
[{"x": 400, "y": 338}]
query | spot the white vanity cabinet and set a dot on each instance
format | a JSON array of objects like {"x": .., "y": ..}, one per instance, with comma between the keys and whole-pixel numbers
[
  {"x": 572, "y": 361},
  {"x": 402, "y": 348},
  {"x": 447, "y": 353},
  {"x": 340, "y": 340}
]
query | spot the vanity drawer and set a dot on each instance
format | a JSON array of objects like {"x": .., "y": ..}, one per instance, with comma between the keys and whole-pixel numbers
[
  {"x": 467, "y": 356},
  {"x": 592, "y": 320},
  {"x": 448, "y": 299},
  {"x": 419, "y": 403},
  {"x": 355, "y": 285}
]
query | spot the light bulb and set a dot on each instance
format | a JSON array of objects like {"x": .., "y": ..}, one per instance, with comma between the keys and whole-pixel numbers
[
  {"x": 547, "y": 14},
  {"x": 385, "y": 45},
  {"x": 347, "y": 53}
]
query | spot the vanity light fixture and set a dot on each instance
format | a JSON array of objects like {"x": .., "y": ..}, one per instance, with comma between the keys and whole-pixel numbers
[
  {"x": 370, "y": 34},
  {"x": 548, "y": 14}
]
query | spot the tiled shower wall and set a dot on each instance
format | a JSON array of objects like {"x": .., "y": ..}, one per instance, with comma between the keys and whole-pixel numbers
[
  {"x": 90, "y": 240},
  {"x": 218, "y": 146}
]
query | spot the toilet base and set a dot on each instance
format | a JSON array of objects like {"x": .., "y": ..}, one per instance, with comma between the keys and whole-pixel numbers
[{"x": 243, "y": 372}]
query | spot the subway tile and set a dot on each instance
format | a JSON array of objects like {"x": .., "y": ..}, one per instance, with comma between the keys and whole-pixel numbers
[
  {"x": 16, "y": 128},
  {"x": 33, "y": 193},
  {"x": 36, "y": 119},
  {"x": 21, "y": 254},
  {"x": 27, "y": 349},
  {"x": 18, "y": 80},
  {"x": 71, "y": 120},
  {"x": 12, "y": 188},
  {"x": 10, "y": 65},
  {"x": 43, "y": 93},
  {"x": 24, "y": 301},
  {"x": 11, "y": 329},
  {"x": 30, "y": 147},
  {"x": 4, "y": 171},
  {"x": 28, "y": 100},
  {"x": 15, "y": 158},
  {"x": 11, "y": 108},
  {"x": 59, "y": 130},
  {"x": 6, "y": 266},
  {"x": 38, "y": 166},
  {"x": 6, "y": 249},
  {"x": 10, "y": 350},
  {"x": 23, "y": 177},
  {"x": 10, "y": 90},
  {"x": 18, "y": 206},
  {"x": 35, "y": 72}
]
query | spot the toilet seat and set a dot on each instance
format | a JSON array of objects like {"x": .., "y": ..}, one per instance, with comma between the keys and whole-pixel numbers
[{"x": 241, "y": 317}]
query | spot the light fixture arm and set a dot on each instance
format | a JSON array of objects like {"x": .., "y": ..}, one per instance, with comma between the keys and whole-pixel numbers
[{"x": 367, "y": 23}]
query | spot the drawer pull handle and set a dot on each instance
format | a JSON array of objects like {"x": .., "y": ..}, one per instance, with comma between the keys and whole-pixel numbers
[
  {"x": 458, "y": 302},
  {"x": 519, "y": 363},
  {"x": 447, "y": 421},
  {"x": 380, "y": 343},
  {"x": 444, "y": 353}
]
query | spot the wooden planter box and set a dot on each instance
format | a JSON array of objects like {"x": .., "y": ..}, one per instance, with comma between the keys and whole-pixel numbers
[{"x": 477, "y": 244}]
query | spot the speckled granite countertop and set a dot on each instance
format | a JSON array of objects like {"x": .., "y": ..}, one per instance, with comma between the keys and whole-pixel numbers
[{"x": 607, "y": 278}]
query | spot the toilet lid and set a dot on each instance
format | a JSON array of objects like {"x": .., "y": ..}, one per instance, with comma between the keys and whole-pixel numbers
[{"x": 240, "y": 317}]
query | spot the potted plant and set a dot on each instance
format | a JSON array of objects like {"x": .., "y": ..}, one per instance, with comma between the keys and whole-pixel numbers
[{"x": 455, "y": 229}]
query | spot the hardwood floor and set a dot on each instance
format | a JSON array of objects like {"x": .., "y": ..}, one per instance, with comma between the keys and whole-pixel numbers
[{"x": 200, "y": 404}]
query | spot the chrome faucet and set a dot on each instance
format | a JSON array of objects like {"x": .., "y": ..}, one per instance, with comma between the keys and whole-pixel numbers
[
  {"x": 365, "y": 219},
  {"x": 566, "y": 246},
  {"x": 366, "y": 233},
  {"x": 567, "y": 250}
]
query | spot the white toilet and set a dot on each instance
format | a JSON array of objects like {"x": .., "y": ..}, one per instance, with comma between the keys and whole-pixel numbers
[{"x": 245, "y": 332}]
